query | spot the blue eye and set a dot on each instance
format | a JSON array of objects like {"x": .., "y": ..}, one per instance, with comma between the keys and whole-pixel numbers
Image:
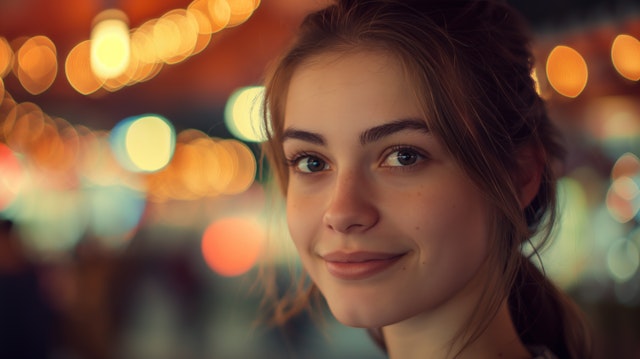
[
  {"x": 309, "y": 164},
  {"x": 402, "y": 157}
]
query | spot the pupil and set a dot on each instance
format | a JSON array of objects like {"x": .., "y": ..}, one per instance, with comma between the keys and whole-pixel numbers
[
  {"x": 406, "y": 158},
  {"x": 314, "y": 164}
]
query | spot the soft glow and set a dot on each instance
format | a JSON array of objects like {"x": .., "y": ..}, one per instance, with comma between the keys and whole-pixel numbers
[
  {"x": 614, "y": 122},
  {"x": 623, "y": 259},
  {"x": 626, "y": 188},
  {"x": 37, "y": 64},
  {"x": 56, "y": 149},
  {"x": 110, "y": 44},
  {"x": 11, "y": 179},
  {"x": 23, "y": 126},
  {"x": 627, "y": 165},
  {"x": 200, "y": 12},
  {"x": 243, "y": 114},
  {"x": 565, "y": 258},
  {"x": 219, "y": 13},
  {"x": 241, "y": 10},
  {"x": 246, "y": 168},
  {"x": 6, "y": 57},
  {"x": 567, "y": 71},
  {"x": 52, "y": 221},
  {"x": 176, "y": 35},
  {"x": 114, "y": 211},
  {"x": 97, "y": 163},
  {"x": 621, "y": 199},
  {"x": 625, "y": 55},
  {"x": 231, "y": 246},
  {"x": 78, "y": 69},
  {"x": 144, "y": 63},
  {"x": 142, "y": 43},
  {"x": 143, "y": 143}
]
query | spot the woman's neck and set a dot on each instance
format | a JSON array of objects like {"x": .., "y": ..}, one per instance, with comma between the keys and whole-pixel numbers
[
  {"x": 431, "y": 334},
  {"x": 417, "y": 339}
]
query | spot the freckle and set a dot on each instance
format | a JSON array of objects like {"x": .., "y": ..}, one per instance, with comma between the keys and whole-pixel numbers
[
  {"x": 404, "y": 268},
  {"x": 417, "y": 228}
]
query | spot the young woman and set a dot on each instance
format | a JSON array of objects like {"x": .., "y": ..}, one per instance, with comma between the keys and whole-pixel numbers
[{"x": 416, "y": 161}]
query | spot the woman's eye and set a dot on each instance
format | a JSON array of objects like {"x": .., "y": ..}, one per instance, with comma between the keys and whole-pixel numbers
[
  {"x": 402, "y": 157},
  {"x": 310, "y": 164}
]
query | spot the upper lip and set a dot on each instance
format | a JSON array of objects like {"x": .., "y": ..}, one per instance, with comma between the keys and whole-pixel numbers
[{"x": 360, "y": 256}]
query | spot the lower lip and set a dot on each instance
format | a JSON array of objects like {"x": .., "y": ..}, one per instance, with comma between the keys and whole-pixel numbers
[{"x": 360, "y": 270}]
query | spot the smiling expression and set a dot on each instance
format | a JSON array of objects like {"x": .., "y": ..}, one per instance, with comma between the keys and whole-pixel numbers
[{"x": 385, "y": 221}]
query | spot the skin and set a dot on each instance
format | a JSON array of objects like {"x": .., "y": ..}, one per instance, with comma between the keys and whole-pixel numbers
[{"x": 386, "y": 223}]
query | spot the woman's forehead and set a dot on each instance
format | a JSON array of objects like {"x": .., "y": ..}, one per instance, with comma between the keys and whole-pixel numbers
[{"x": 351, "y": 87}]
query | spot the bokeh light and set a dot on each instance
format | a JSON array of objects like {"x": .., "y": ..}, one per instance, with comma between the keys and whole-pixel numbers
[
  {"x": 114, "y": 212},
  {"x": 623, "y": 259},
  {"x": 240, "y": 10},
  {"x": 23, "y": 124},
  {"x": 220, "y": 14},
  {"x": 614, "y": 121},
  {"x": 78, "y": 69},
  {"x": 243, "y": 114},
  {"x": 627, "y": 165},
  {"x": 625, "y": 55},
  {"x": 53, "y": 221},
  {"x": 567, "y": 71},
  {"x": 175, "y": 35},
  {"x": 6, "y": 57},
  {"x": 143, "y": 143},
  {"x": 565, "y": 258},
  {"x": 36, "y": 64},
  {"x": 11, "y": 178},
  {"x": 231, "y": 246},
  {"x": 623, "y": 196},
  {"x": 246, "y": 169},
  {"x": 110, "y": 44}
]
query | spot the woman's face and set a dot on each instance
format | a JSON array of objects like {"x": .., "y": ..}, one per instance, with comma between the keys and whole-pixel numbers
[{"x": 386, "y": 223}]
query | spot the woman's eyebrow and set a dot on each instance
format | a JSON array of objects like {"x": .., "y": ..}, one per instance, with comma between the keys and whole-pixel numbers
[
  {"x": 370, "y": 135},
  {"x": 293, "y": 133},
  {"x": 376, "y": 133}
]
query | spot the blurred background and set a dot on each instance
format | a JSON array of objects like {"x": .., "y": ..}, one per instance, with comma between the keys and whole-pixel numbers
[{"x": 134, "y": 211}]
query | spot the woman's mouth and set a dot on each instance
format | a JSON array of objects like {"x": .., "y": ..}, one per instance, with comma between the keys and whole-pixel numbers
[{"x": 359, "y": 265}]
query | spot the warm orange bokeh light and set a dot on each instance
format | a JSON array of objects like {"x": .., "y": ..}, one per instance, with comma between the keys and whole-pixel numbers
[
  {"x": 245, "y": 168},
  {"x": 37, "y": 64},
  {"x": 232, "y": 246},
  {"x": 567, "y": 71},
  {"x": 625, "y": 55},
  {"x": 241, "y": 10},
  {"x": 6, "y": 57},
  {"x": 23, "y": 124},
  {"x": 78, "y": 69}
]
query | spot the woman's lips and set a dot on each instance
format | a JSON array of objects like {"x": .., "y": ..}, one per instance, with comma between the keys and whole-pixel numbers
[{"x": 359, "y": 265}]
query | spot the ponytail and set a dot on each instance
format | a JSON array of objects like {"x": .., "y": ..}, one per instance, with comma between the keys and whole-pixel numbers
[{"x": 545, "y": 316}]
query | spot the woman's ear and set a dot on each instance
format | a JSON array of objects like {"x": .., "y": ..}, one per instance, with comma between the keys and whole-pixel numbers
[{"x": 530, "y": 166}]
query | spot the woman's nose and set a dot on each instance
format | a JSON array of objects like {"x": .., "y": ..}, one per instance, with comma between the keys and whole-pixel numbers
[{"x": 351, "y": 207}]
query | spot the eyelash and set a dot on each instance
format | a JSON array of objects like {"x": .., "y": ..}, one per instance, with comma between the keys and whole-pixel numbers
[
  {"x": 400, "y": 148},
  {"x": 294, "y": 161}
]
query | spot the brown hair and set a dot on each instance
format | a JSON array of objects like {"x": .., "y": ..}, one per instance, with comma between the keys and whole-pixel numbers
[{"x": 470, "y": 64}]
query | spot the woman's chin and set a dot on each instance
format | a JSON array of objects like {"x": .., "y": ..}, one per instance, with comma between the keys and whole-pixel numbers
[{"x": 360, "y": 318}]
